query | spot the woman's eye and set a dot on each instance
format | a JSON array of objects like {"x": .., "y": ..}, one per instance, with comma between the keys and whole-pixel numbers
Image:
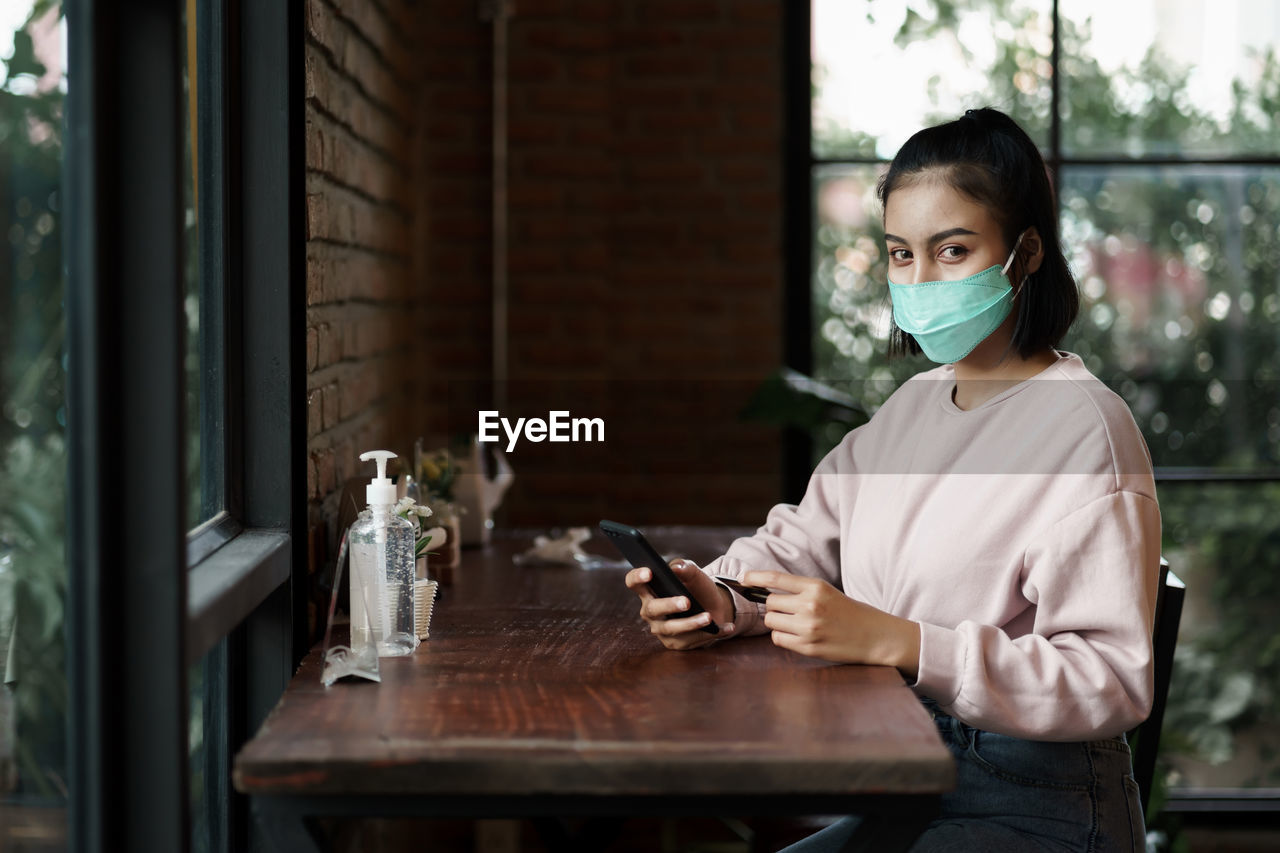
[
  {"x": 953, "y": 253},
  {"x": 899, "y": 255}
]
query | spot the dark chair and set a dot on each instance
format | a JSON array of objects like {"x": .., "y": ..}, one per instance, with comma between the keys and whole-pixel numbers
[{"x": 1145, "y": 737}]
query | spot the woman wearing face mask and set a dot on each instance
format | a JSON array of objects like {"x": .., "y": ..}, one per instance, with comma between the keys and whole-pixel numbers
[{"x": 992, "y": 531}]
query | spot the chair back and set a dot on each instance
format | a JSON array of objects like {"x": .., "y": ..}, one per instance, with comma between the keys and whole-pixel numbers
[{"x": 1145, "y": 737}]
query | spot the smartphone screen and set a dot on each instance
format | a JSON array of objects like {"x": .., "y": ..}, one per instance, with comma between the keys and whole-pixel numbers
[{"x": 631, "y": 543}]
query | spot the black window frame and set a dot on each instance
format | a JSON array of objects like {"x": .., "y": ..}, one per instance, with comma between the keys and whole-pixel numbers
[
  {"x": 1220, "y": 806},
  {"x": 136, "y": 617}
]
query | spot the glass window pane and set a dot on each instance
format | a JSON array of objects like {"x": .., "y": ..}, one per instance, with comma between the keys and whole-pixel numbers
[
  {"x": 884, "y": 69},
  {"x": 33, "y": 571},
  {"x": 1178, "y": 269},
  {"x": 1219, "y": 725},
  {"x": 851, "y": 309},
  {"x": 198, "y": 755},
  {"x": 1182, "y": 78},
  {"x": 851, "y": 298},
  {"x": 191, "y": 230},
  {"x": 203, "y": 285}
]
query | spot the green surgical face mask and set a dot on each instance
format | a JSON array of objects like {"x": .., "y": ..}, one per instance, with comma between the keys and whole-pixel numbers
[{"x": 949, "y": 318}]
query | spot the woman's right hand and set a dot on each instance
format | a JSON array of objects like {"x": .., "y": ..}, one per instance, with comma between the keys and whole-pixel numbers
[{"x": 683, "y": 632}]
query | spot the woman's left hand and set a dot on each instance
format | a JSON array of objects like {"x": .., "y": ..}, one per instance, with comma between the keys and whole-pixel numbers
[{"x": 812, "y": 617}]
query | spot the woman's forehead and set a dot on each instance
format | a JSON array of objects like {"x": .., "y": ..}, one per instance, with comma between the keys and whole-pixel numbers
[{"x": 931, "y": 205}]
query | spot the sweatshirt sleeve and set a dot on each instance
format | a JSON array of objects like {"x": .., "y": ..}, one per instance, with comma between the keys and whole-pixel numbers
[
  {"x": 803, "y": 539},
  {"x": 1085, "y": 670}
]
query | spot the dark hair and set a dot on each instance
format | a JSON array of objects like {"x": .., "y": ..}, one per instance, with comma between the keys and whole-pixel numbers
[{"x": 986, "y": 156}]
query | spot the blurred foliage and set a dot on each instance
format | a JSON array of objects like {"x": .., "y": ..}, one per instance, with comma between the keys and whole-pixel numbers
[
  {"x": 1228, "y": 666},
  {"x": 33, "y": 416},
  {"x": 1178, "y": 266}
]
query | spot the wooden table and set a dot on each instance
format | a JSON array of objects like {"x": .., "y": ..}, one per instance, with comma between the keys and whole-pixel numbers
[{"x": 541, "y": 693}]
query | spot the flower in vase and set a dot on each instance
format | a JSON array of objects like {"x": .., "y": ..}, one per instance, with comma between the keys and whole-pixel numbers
[{"x": 414, "y": 512}]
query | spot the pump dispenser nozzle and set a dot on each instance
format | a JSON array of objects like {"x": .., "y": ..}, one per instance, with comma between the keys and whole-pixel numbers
[{"x": 380, "y": 492}]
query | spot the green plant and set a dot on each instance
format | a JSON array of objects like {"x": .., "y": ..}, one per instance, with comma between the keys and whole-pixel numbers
[{"x": 436, "y": 473}]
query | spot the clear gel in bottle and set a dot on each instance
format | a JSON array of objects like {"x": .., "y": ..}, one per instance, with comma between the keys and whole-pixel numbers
[{"x": 382, "y": 569}]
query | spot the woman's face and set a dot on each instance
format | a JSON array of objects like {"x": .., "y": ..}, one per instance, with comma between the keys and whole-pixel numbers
[{"x": 934, "y": 233}]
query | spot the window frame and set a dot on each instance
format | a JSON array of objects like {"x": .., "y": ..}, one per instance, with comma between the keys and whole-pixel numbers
[
  {"x": 1239, "y": 806},
  {"x": 136, "y": 617}
]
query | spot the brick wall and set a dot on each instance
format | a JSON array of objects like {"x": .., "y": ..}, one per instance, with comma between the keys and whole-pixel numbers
[
  {"x": 644, "y": 255},
  {"x": 364, "y": 388}
]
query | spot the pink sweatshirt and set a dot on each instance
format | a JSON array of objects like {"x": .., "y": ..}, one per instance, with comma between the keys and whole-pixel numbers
[{"x": 1023, "y": 535}]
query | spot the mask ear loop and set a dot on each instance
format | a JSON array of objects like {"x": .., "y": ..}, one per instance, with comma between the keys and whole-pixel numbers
[{"x": 1005, "y": 269}]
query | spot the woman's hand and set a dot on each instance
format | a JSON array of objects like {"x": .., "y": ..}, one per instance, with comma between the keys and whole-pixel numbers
[
  {"x": 812, "y": 617},
  {"x": 683, "y": 632}
]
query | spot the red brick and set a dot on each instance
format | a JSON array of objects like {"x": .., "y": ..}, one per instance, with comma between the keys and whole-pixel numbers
[
  {"x": 330, "y": 402},
  {"x": 455, "y": 228},
  {"x": 339, "y": 98},
  {"x": 716, "y": 143},
  {"x": 591, "y": 69},
  {"x": 472, "y": 163},
  {"x": 325, "y": 481},
  {"x": 471, "y": 35},
  {"x": 678, "y": 120},
  {"x": 682, "y": 172},
  {"x": 315, "y": 413},
  {"x": 526, "y": 68},
  {"x": 535, "y": 130},
  {"x": 533, "y": 259},
  {"x": 561, "y": 37},
  {"x": 340, "y": 216},
  {"x": 682, "y": 10},
  {"x": 587, "y": 257},
  {"x": 539, "y": 197},
  {"x": 529, "y": 9},
  {"x": 593, "y": 10},
  {"x": 754, "y": 118},
  {"x": 313, "y": 349},
  {"x": 454, "y": 261},
  {"x": 579, "y": 165},
  {"x": 650, "y": 36},
  {"x": 329, "y": 346},
  {"x": 757, "y": 11},
  {"x": 453, "y": 67},
  {"x": 661, "y": 96},
  {"x": 569, "y": 99},
  {"x": 669, "y": 64},
  {"x": 738, "y": 38},
  {"x": 764, "y": 198},
  {"x": 747, "y": 170},
  {"x": 457, "y": 100}
]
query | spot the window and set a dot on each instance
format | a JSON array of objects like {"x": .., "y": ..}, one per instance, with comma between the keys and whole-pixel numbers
[
  {"x": 184, "y": 275},
  {"x": 204, "y": 169},
  {"x": 1159, "y": 126},
  {"x": 33, "y": 418}
]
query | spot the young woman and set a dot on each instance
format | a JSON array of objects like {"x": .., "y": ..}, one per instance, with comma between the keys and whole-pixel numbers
[{"x": 992, "y": 532}]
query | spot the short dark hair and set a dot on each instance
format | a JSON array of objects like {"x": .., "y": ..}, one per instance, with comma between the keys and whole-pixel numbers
[{"x": 985, "y": 155}]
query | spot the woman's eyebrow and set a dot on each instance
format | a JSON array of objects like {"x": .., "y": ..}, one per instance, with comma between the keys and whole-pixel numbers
[{"x": 936, "y": 238}]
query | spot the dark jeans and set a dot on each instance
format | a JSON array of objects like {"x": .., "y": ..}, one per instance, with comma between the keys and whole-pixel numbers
[{"x": 1021, "y": 795}]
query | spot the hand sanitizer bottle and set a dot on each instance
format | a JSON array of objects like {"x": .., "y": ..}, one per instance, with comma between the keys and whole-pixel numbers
[{"x": 382, "y": 569}]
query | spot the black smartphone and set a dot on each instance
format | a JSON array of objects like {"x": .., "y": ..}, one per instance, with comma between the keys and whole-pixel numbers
[{"x": 631, "y": 543}]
